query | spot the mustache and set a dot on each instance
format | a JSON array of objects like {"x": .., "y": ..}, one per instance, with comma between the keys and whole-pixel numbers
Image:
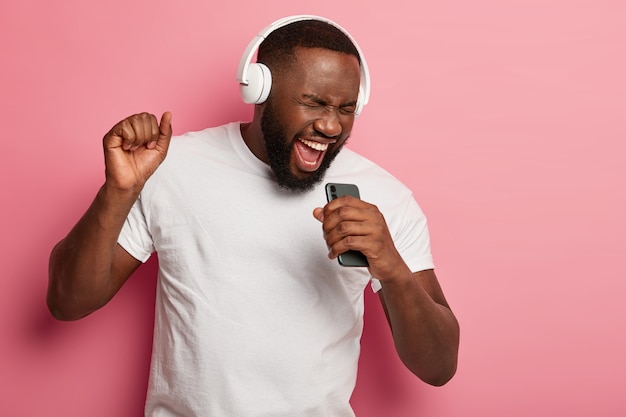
[{"x": 318, "y": 135}]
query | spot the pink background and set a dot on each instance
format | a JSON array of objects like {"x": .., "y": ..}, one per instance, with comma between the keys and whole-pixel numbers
[{"x": 505, "y": 117}]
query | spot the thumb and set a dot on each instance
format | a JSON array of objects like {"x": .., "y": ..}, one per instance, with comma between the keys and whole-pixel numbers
[
  {"x": 318, "y": 213},
  {"x": 165, "y": 130}
]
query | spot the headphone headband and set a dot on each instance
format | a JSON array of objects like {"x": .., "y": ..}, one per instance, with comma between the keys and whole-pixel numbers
[{"x": 248, "y": 74}]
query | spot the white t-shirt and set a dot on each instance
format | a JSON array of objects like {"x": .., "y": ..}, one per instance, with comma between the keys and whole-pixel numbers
[{"x": 252, "y": 318}]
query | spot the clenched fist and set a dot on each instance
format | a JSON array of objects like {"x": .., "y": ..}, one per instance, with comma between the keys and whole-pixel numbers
[{"x": 134, "y": 148}]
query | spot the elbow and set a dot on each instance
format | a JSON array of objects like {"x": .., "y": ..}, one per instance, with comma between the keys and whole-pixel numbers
[
  {"x": 441, "y": 364},
  {"x": 58, "y": 313},
  {"x": 436, "y": 371},
  {"x": 60, "y": 310},
  {"x": 440, "y": 378},
  {"x": 66, "y": 305},
  {"x": 61, "y": 315}
]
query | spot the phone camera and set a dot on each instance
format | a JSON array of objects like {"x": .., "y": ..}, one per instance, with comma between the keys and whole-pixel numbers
[{"x": 333, "y": 189}]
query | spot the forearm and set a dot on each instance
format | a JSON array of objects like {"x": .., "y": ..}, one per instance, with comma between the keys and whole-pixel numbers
[
  {"x": 80, "y": 266},
  {"x": 425, "y": 331}
]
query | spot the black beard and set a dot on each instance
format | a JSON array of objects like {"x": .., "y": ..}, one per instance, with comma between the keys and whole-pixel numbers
[{"x": 279, "y": 147}]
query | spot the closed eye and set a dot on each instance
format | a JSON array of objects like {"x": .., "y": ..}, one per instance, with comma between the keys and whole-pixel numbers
[
  {"x": 348, "y": 109},
  {"x": 313, "y": 101}
]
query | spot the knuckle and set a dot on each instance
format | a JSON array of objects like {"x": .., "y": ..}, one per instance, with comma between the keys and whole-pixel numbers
[
  {"x": 349, "y": 242},
  {"x": 343, "y": 228},
  {"x": 343, "y": 212}
]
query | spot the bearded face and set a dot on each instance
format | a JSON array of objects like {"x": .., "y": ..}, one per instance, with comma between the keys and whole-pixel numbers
[{"x": 280, "y": 151}]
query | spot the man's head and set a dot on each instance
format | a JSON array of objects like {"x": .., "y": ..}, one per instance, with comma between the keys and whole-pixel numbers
[
  {"x": 278, "y": 50},
  {"x": 310, "y": 110}
]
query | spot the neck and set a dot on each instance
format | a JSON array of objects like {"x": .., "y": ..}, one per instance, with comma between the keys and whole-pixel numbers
[{"x": 253, "y": 138}]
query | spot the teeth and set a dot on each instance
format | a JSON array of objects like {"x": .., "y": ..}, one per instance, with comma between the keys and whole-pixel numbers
[{"x": 315, "y": 145}]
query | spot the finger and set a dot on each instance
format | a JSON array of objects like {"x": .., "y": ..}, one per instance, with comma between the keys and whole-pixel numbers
[
  {"x": 358, "y": 243},
  {"x": 165, "y": 131},
  {"x": 138, "y": 130},
  {"x": 346, "y": 230},
  {"x": 346, "y": 208},
  {"x": 333, "y": 216},
  {"x": 166, "y": 124},
  {"x": 345, "y": 200},
  {"x": 318, "y": 213},
  {"x": 122, "y": 134}
]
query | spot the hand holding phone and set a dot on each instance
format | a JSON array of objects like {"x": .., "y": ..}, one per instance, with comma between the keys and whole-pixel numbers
[{"x": 333, "y": 191}]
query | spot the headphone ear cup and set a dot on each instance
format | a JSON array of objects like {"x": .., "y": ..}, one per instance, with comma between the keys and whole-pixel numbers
[{"x": 259, "y": 84}]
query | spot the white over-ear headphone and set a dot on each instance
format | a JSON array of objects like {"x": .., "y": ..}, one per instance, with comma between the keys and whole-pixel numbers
[{"x": 255, "y": 79}]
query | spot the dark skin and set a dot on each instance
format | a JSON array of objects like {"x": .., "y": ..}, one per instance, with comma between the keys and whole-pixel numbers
[
  {"x": 88, "y": 267},
  {"x": 316, "y": 101},
  {"x": 320, "y": 95},
  {"x": 425, "y": 331}
]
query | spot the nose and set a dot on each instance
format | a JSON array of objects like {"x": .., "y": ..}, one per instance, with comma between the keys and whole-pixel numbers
[{"x": 328, "y": 124}]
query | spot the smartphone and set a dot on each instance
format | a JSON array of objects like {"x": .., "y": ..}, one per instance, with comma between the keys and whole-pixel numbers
[{"x": 335, "y": 190}]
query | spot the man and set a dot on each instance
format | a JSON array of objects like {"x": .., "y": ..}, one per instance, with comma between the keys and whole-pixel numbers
[{"x": 254, "y": 315}]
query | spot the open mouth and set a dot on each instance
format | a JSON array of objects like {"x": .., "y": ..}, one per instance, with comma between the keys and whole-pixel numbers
[{"x": 309, "y": 154}]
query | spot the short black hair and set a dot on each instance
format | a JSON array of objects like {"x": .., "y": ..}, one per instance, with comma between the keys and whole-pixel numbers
[{"x": 278, "y": 50}]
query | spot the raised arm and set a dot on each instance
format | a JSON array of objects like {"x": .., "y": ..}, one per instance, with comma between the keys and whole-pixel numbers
[
  {"x": 425, "y": 331},
  {"x": 88, "y": 267}
]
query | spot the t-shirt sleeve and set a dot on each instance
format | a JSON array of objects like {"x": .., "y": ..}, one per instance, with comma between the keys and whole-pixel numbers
[
  {"x": 135, "y": 236},
  {"x": 412, "y": 239}
]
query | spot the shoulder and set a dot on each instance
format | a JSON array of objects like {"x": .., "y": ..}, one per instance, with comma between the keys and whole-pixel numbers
[
  {"x": 373, "y": 180},
  {"x": 193, "y": 157},
  {"x": 217, "y": 136},
  {"x": 201, "y": 146}
]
